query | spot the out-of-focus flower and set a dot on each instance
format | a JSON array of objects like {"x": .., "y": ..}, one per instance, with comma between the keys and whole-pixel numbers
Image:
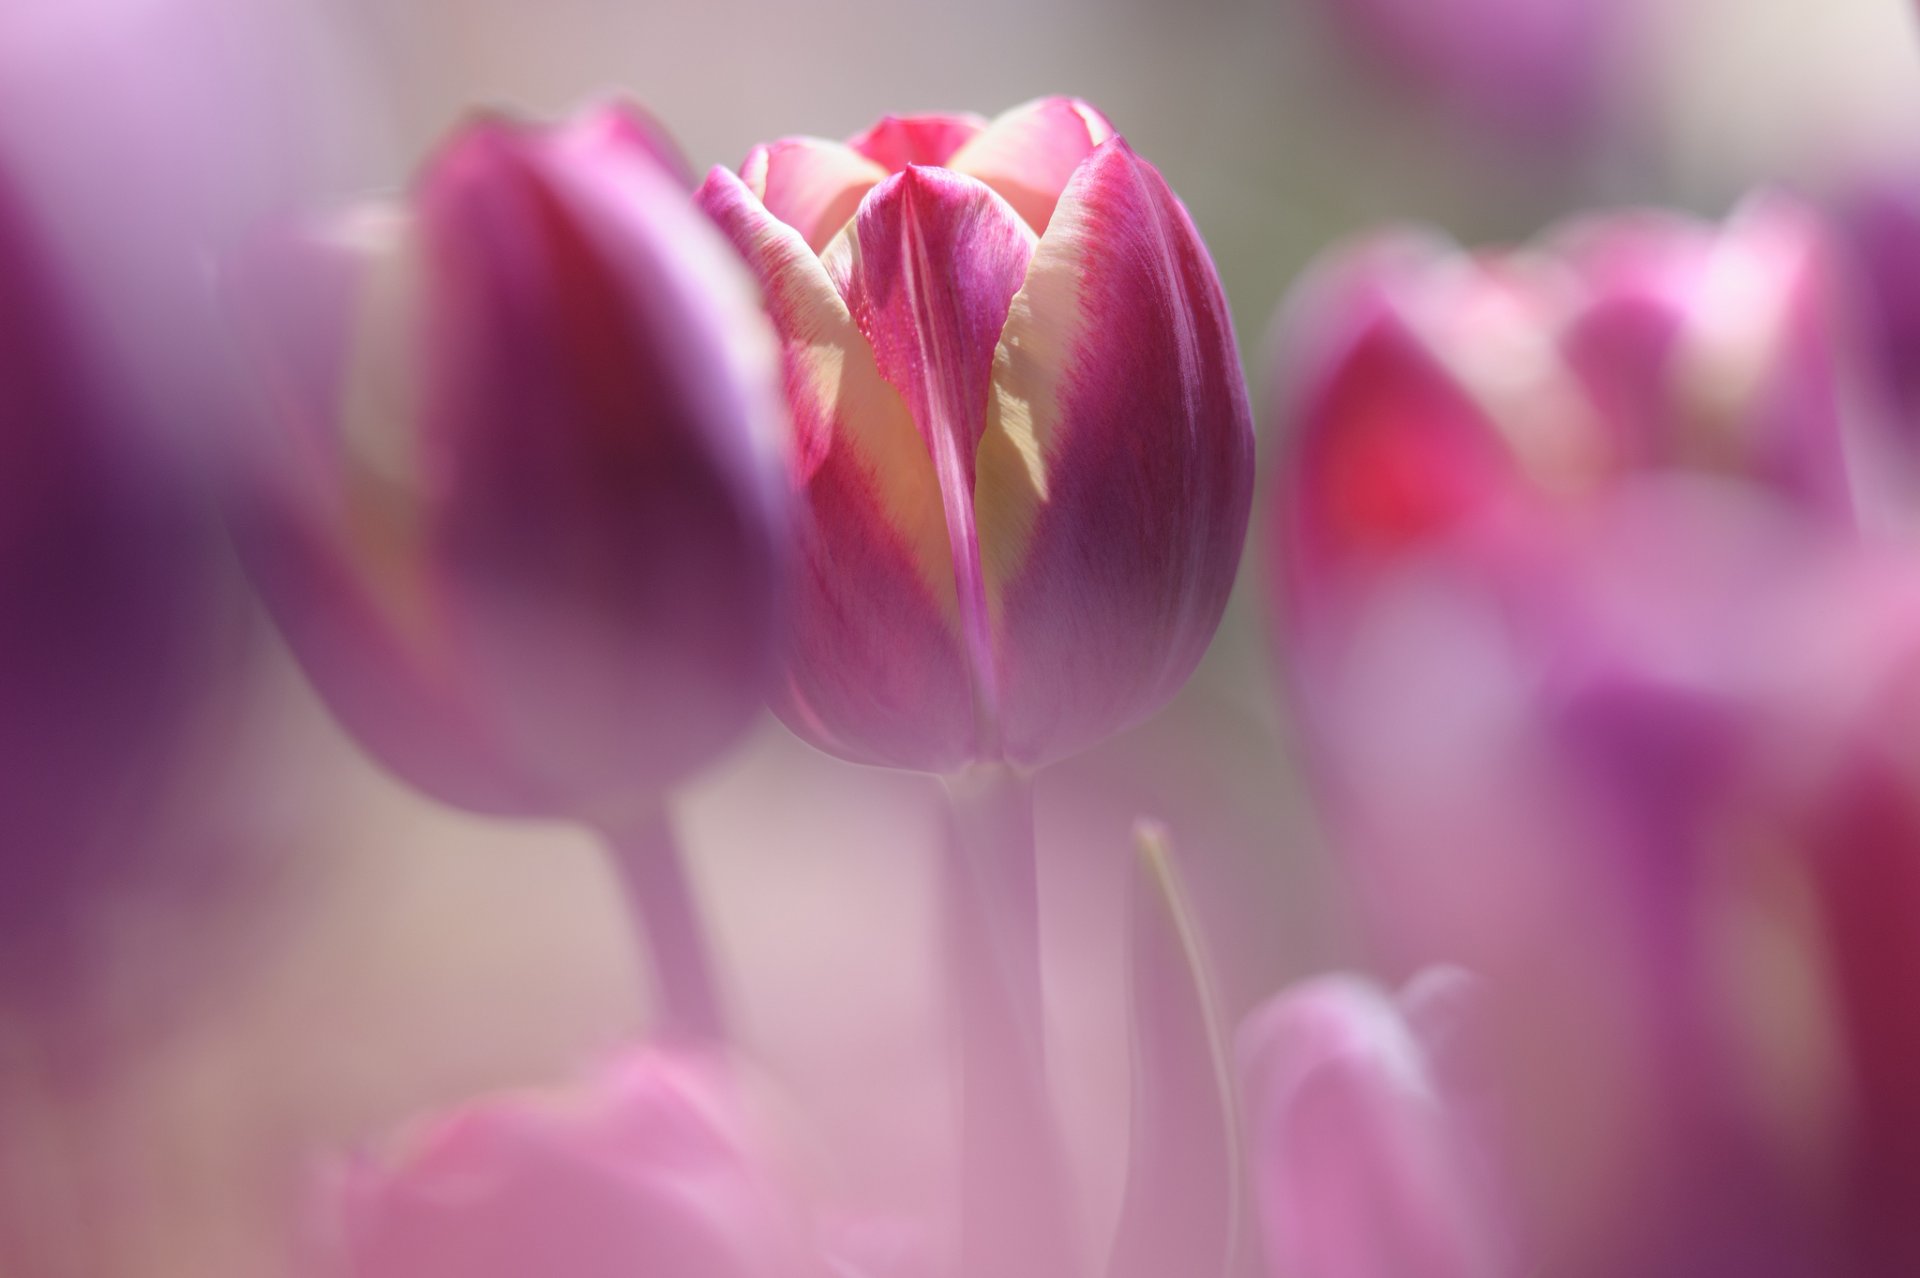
[
  {"x": 655, "y": 1166},
  {"x": 1430, "y": 393},
  {"x": 1521, "y": 70},
  {"x": 116, "y": 620},
  {"x": 1024, "y": 450},
  {"x": 1651, "y": 771},
  {"x": 1366, "y": 1158},
  {"x": 516, "y": 497}
]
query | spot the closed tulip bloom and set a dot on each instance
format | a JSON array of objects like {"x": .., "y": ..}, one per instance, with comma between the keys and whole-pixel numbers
[
  {"x": 1427, "y": 389},
  {"x": 517, "y": 497},
  {"x": 1024, "y": 448},
  {"x": 1364, "y": 1157},
  {"x": 654, "y": 1166}
]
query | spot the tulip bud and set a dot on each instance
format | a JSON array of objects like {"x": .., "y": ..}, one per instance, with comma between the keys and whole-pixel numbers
[
  {"x": 653, "y": 1167},
  {"x": 1024, "y": 446},
  {"x": 1365, "y": 1163},
  {"x": 1429, "y": 391},
  {"x": 515, "y": 497}
]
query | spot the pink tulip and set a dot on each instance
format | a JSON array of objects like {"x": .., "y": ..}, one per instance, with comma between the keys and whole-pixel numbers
[
  {"x": 1365, "y": 1159},
  {"x": 655, "y": 1166},
  {"x": 1428, "y": 390},
  {"x": 515, "y": 498},
  {"x": 1024, "y": 444},
  {"x": 1647, "y": 767}
]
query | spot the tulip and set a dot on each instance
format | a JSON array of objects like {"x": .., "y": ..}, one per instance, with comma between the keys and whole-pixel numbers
[
  {"x": 516, "y": 495},
  {"x": 1650, "y": 772},
  {"x": 653, "y": 1166},
  {"x": 1024, "y": 444},
  {"x": 1365, "y": 1160},
  {"x": 1429, "y": 391},
  {"x": 1024, "y": 458}
]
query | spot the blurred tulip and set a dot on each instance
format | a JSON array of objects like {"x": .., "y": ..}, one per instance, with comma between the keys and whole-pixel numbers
[
  {"x": 516, "y": 498},
  {"x": 121, "y": 621},
  {"x": 1365, "y": 1161},
  {"x": 1530, "y": 71},
  {"x": 1649, "y": 768},
  {"x": 1024, "y": 447},
  {"x": 116, "y": 624},
  {"x": 655, "y": 1166},
  {"x": 1427, "y": 390}
]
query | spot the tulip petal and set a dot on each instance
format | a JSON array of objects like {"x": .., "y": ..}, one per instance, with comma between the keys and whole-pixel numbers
[
  {"x": 620, "y": 128},
  {"x": 1115, "y": 474},
  {"x": 898, "y": 141},
  {"x": 877, "y": 673},
  {"x": 1029, "y": 153},
  {"x": 930, "y": 269},
  {"x": 1359, "y": 1168},
  {"x": 324, "y": 522},
  {"x": 811, "y": 184}
]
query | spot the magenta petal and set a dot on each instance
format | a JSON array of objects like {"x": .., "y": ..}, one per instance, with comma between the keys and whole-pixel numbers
[
  {"x": 300, "y": 526},
  {"x": 1118, "y": 469},
  {"x": 900, "y": 140},
  {"x": 935, "y": 261},
  {"x": 875, "y": 671},
  {"x": 811, "y": 184},
  {"x": 601, "y": 441}
]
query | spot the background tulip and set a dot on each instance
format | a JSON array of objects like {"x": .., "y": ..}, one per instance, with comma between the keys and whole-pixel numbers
[
  {"x": 656, "y": 1165},
  {"x": 1365, "y": 1149},
  {"x": 1618, "y": 767},
  {"x": 1428, "y": 391},
  {"x": 515, "y": 497}
]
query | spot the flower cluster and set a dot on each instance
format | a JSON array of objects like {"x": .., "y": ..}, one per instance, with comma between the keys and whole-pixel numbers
[{"x": 1587, "y": 562}]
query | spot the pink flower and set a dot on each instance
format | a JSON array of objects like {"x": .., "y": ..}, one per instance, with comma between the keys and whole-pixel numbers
[
  {"x": 654, "y": 1166},
  {"x": 1364, "y": 1155},
  {"x": 1431, "y": 393},
  {"x": 514, "y": 496},
  {"x": 1024, "y": 444}
]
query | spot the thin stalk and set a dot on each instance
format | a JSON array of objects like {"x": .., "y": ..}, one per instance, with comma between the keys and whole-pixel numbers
[
  {"x": 660, "y": 900},
  {"x": 1016, "y": 1213}
]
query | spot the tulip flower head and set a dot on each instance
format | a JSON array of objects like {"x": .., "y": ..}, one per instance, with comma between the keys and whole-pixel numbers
[
  {"x": 1364, "y": 1156},
  {"x": 654, "y": 1166},
  {"x": 516, "y": 499},
  {"x": 1024, "y": 447},
  {"x": 1432, "y": 393}
]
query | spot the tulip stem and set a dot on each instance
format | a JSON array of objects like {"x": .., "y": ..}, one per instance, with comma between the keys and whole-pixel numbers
[
  {"x": 1015, "y": 1210},
  {"x": 661, "y": 901}
]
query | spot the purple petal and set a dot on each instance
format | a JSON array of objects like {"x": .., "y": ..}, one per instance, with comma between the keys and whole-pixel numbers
[{"x": 1116, "y": 471}]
